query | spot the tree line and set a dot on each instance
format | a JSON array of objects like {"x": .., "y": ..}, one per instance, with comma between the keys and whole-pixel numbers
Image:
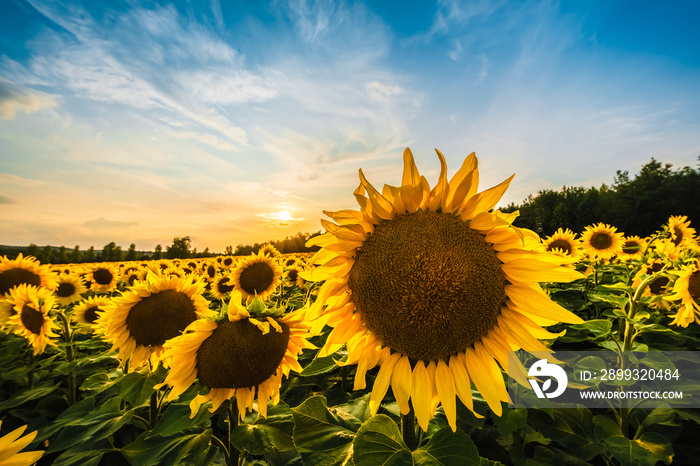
[
  {"x": 181, "y": 248},
  {"x": 636, "y": 206}
]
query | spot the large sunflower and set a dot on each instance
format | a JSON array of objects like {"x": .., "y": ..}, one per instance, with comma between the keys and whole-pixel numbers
[
  {"x": 257, "y": 275},
  {"x": 687, "y": 289},
  {"x": 151, "y": 312},
  {"x": 221, "y": 285},
  {"x": 26, "y": 270},
  {"x": 435, "y": 288},
  {"x": 68, "y": 289},
  {"x": 240, "y": 355},
  {"x": 104, "y": 278},
  {"x": 90, "y": 311},
  {"x": 563, "y": 242},
  {"x": 633, "y": 248},
  {"x": 12, "y": 443},
  {"x": 30, "y": 317},
  {"x": 602, "y": 241},
  {"x": 681, "y": 232}
]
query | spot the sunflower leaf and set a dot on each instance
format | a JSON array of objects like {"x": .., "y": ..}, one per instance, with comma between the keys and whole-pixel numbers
[
  {"x": 323, "y": 436},
  {"x": 447, "y": 448},
  {"x": 266, "y": 434},
  {"x": 379, "y": 442}
]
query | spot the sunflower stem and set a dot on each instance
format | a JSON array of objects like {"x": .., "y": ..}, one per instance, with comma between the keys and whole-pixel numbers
[
  {"x": 408, "y": 429},
  {"x": 153, "y": 409},
  {"x": 232, "y": 410},
  {"x": 634, "y": 307}
]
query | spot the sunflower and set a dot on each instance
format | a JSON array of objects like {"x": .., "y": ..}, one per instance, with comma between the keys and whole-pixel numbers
[
  {"x": 68, "y": 289},
  {"x": 633, "y": 248},
  {"x": 11, "y": 444},
  {"x": 103, "y": 278},
  {"x": 292, "y": 275},
  {"x": 602, "y": 241},
  {"x": 658, "y": 288},
  {"x": 435, "y": 288},
  {"x": 687, "y": 289},
  {"x": 209, "y": 270},
  {"x": 26, "y": 270},
  {"x": 30, "y": 319},
  {"x": 228, "y": 262},
  {"x": 563, "y": 242},
  {"x": 681, "y": 232},
  {"x": 90, "y": 311},
  {"x": 221, "y": 285},
  {"x": 257, "y": 275},
  {"x": 151, "y": 312},
  {"x": 269, "y": 250},
  {"x": 238, "y": 356}
]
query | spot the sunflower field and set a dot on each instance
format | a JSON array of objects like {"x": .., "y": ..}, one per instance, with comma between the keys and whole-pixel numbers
[{"x": 388, "y": 346}]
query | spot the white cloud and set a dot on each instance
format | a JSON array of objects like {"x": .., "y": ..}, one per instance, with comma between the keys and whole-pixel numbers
[
  {"x": 226, "y": 86},
  {"x": 14, "y": 99},
  {"x": 378, "y": 90},
  {"x": 209, "y": 139}
]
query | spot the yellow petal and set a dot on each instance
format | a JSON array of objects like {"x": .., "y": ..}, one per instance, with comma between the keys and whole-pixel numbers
[
  {"x": 445, "y": 384},
  {"x": 381, "y": 383},
  {"x": 485, "y": 200},
  {"x": 421, "y": 394},
  {"x": 402, "y": 383}
]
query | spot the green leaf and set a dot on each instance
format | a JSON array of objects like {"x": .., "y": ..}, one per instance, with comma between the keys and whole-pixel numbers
[
  {"x": 379, "y": 443},
  {"x": 447, "y": 448},
  {"x": 28, "y": 395},
  {"x": 598, "y": 327},
  {"x": 321, "y": 365},
  {"x": 647, "y": 450},
  {"x": 88, "y": 454},
  {"x": 266, "y": 434},
  {"x": 511, "y": 420},
  {"x": 101, "y": 381},
  {"x": 572, "y": 428},
  {"x": 323, "y": 436},
  {"x": 146, "y": 451},
  {"x": 176, "y": 419},
  {"x": 70, "y": 416},
  {"x": 104, "y": 421},
  {"x": 137, "y": 387}
]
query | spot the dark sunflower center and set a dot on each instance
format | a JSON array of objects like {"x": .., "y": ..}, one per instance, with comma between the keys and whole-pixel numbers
[
  {"x": 223, "y": 286},
  {"x": 694, "y": 286},
  {"x": 427, "y": 285},
  {"x": 631, "y": 247},
  {"x": 13, "y": 277},
  {"x": 91, "y": 314},
  {"x": 256, "y": 278},
  {"x": 32, "y": 319},
  {"x": 65, "y": 290},
  {"x": 290, "y": 262},
  {"x": 102, "y": 276},
  {"x": 657, "y": 286},
  {"x": 293, "y": 274},
  {"x": 159, "y": 317},
  {"x": 560, "y": 244},
  {"x": 238, "y": 355},
  {"x": 601, "y": 240},
  {"x": 211, "y": 271},
  {"x": 679, "y": 236},
  {"x": 228, "y": 261}
]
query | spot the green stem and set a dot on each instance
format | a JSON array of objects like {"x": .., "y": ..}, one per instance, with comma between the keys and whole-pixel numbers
[
  {"x": 634, "y": 307},
  {"x": 222, "y": 446},
  {"x": 153, "y": 410},
  {"x": 232, "y": 423},
  {"x": 408, "y": 429}
]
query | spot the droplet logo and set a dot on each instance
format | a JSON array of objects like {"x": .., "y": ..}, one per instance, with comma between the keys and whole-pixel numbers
[{"x": 544, "y": 369}]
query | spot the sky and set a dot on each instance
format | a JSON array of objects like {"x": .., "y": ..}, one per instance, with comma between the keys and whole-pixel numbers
[{"x": 238, "y": 122}]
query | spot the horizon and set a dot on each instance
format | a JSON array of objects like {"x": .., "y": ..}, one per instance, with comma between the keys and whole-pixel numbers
[{"x": 240, "y": 123}]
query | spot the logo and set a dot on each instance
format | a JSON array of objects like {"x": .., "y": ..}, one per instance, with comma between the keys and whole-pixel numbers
[{"x": 544, "y": 369}]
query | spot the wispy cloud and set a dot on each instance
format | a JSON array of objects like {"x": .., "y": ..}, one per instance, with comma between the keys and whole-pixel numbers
[{"x": 14, "y": 99}]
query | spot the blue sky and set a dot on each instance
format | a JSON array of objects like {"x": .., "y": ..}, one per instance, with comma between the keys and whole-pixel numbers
[{"x": 136, "y": 122}]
